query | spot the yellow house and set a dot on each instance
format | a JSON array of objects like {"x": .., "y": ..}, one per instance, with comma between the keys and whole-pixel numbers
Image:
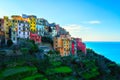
[
  {"x": 15, "y": 20},
  {"x": 7, "y": 25},
  {"x": 62, "y": 44},
  {"x": 32, "y": 22}
]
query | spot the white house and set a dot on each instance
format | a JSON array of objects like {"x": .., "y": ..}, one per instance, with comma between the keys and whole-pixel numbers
[{"x": 23, "y": 30}]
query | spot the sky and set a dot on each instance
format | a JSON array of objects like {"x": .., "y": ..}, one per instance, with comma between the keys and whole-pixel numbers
[{"x": 91, "y": 20}]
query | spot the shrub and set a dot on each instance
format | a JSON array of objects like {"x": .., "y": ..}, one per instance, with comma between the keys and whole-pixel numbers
[
  {"x": 24, "y": 50},
  {"x": 9, "y": 43},
  {"x": 34, "y": 77},
  {"x": 17, "y": 73}
]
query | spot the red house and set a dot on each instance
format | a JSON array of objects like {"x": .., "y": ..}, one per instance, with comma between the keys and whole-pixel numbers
[
  {"x": 35, "y": 37},
  {"x": 80, "y": 45},
  {"x": 73, "y": 48}
]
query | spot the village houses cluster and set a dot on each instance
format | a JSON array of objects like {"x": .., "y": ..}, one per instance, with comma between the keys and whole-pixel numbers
[{"x": 30, "y": 27}]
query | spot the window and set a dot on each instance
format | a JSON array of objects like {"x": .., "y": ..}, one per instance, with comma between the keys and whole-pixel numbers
[
  {"x": 64, "y": 42},
  {"x": 19, "y": 32},
  {"x": 19, "y": 28},
  {"x": 28, "y": 33},
  {"x": 14, "y": 32},
  {"x": 26, "y": 29},
  {"x": 13, "y": 21},
  {"x": 13, "y": 38},
  {"x": 64, "y": 49},
  {"x": 19, "y": 24},
  {"x": 23, "y": 33},
  {"x": 23, "y": 29}
]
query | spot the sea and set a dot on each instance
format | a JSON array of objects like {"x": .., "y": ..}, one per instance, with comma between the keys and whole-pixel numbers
[{"x": 111, "y": 50}]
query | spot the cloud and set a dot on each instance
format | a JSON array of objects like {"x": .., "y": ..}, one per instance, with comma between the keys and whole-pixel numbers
[
  {"x": 77, "y": 30},
  {"x": 93, "y": 22},
  {"x": 75, "y": 27}
]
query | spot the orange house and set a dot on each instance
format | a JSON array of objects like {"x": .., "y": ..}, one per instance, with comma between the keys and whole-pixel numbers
[{"x": 62, "y": 44}]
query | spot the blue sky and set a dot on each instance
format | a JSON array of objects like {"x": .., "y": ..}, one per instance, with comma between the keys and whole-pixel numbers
[{"x": 91, "y": 20}]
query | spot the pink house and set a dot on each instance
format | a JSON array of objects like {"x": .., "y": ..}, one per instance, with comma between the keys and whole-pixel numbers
[
  {"x": 35, "y": 37},
  {"x": 57, "y": 28},
  {"x": 80, "y": 45},
  {"x": 73, "y": 48}
]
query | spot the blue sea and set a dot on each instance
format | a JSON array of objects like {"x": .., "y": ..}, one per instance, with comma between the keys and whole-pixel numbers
[{"x": 111, "y": 50}]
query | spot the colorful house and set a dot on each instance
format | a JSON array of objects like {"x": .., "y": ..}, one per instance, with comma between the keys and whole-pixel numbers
[
  {"x": 62, "y": 44},
  {"x": 45, "y": 23},
  {"x": 40, "y": 27},
  {"x": 62, "y": 31},
  {"x": 73, "y": 47},
  {"x": 23, "y": 29},
  {"x": 14, "y": 28},
  {"x": 1, "y": 24},
  {"x": 53, "y": 29},
  {"x": 80, "y": 45},
  {"x": 7, "y": 25},
  {"x": 35, "y": 37},
  {"x": 29, "y": 26},
  {"x": 32, "y": 23},
  {"x": 2, "y": 33}
]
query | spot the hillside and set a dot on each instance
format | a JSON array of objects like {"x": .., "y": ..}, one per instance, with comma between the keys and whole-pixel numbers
[{"x": 52, "y": 66}]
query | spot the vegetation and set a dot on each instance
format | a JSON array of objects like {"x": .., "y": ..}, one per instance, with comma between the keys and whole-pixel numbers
[
  {"x": 37, "y": 76},
  {"x": 9, "y": 43},
  {"x": 17, "y": 72},
  {"x": 24, "y": 50},
  {"x": 28, "y": 66}
]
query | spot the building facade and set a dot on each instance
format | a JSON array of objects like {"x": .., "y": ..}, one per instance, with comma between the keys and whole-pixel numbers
[
  {"x": 32, "y": 23},
  {"x": 73, "y": 47},
  {"x": 23, "y": 30},
  {"x": 14, "y": 28},
  {"x": 2, "y": 33},
  {"x": 7, "y": 25},
  {"x": 80, "y": 45},
  {"x": 31, "y": 27},
  {"x": 53, "y": 29},
  {"x": 40, "y": 27},
  {"x": 35, "y": 37},
  {"x": 62, "y": 44}
]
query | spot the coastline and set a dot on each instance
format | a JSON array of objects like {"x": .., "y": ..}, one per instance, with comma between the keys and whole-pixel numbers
[{"x": 108, "y": 49}]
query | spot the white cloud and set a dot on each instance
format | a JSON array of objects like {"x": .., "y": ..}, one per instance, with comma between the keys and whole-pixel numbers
[
  {"x": 77, "y": 30},
  {"x": 75, "y": 27},
  {"x": 93, "y": 22}
]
